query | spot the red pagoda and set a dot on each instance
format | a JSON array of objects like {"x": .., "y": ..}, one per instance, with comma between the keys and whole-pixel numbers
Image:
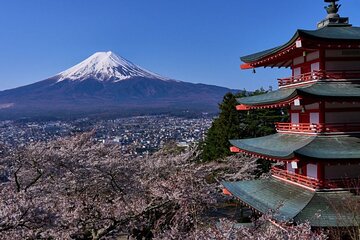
[{"x": 318, "y": 150}]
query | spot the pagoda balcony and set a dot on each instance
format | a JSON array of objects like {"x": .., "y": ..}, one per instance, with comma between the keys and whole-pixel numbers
[
  {"x": 318, "y": 128},
  {"x": 318, "y": 75},
  {"x": 296, "y": 178},
  {"x": 344, "y": 183}
]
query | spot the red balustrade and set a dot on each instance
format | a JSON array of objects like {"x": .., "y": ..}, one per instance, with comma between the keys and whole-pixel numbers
[
  {"x": 318, "y": 128},
  {"x": 344, "y": 183},
  {"x": 319, "y": 75},
  {"x": 297, "y": 178},
  {"x": 296, "y": 127}
]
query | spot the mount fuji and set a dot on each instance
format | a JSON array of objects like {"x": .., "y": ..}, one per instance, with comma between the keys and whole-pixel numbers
[
  {"x": 107, "y": 84},
  {"x": 106, "y": 66}
]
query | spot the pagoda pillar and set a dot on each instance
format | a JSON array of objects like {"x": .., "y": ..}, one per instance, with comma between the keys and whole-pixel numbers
[
  {"x": 322, "y": 115},
  {"x": 322, "y": 59},
  {"x": 321, "y": 173}
]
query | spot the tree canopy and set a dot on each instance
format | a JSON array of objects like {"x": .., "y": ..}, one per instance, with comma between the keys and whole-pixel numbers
[{"x": 233, "y": 124}]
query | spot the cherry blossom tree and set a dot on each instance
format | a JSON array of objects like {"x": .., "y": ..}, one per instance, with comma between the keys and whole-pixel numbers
[{"x": 75, "y": 188}]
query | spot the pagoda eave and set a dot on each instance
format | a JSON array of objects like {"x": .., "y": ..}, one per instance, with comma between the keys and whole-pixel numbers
[
  {"x": 291, "y": 147},
  {"x": 295, "y": 203},
  {"x": 234, "y": 149},
  {"x": 307, "y": 40},
  {"x": 319, "y": 91},
  {"x": 243, "y": 107}
]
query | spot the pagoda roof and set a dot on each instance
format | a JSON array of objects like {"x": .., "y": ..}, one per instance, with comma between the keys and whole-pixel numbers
[
  {"x": 284, "y": 146},
  {"x": 280, "y": 146},
  {"x": 332, "y": 90},
  {"x": 328, "y": 33},
  {"x": 290, "y": 202}
]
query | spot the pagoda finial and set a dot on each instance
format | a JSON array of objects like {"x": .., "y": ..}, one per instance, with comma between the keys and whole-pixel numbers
[
  {"x": 332, "y": 9},
  {"x": 333, "y": 18}
]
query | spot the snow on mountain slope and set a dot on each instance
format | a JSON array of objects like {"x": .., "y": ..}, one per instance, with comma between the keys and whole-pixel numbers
[{"x": 106, "y": 66}]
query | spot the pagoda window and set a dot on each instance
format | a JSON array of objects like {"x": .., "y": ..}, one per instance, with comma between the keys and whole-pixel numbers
[
  {"x": 315, "y": 66},
  {"x": 312, "y": 170},
  {"x": 295, "y": 118},
  {"x": 290, "y": 168},
  {"x": 314, "y": 118},
  {"x": 297, "y": 71}
]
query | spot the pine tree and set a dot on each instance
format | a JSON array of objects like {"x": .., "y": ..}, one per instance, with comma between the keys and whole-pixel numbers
[
  {"x": 233, "y": 124},
  {"x": 223, "y": 128}
]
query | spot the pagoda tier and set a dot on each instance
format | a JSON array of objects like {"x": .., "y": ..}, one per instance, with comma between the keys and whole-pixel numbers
[
  {"x": 310, "y": 45},
  {"x": 319, "y": 108},
  {"x": 320, "y": 91},
  {"x": 293, "y": 203},
  {"x": 293, "y": 147},
  {"x": 311, "y": 161}
]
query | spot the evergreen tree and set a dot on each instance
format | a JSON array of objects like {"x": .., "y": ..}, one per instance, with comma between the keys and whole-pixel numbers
[
  {"x": 233, "y": 124},
  {"x": 223, "y": 128}
]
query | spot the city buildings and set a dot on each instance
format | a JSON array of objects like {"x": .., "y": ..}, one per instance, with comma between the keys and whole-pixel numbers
[{"x": 135, "y": 136}]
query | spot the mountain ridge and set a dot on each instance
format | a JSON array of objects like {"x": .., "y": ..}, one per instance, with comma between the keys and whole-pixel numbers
[{"x": 105, "y": 82}]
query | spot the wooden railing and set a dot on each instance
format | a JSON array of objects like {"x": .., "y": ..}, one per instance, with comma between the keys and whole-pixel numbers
[
  {"x": 319, "y": 75},
  {"x": 344, "y": 183},
  {"x": 296, "y": 127},
  {"x": 297, "y": 178},
  {"x": 318, "y": 128}
]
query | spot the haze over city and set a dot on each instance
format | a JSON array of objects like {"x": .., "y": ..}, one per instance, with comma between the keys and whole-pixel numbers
[{"x": 194, "y": 41}]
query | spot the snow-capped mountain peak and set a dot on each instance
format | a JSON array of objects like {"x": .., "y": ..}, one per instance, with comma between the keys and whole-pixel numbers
[{"x": 106, "y": 66}]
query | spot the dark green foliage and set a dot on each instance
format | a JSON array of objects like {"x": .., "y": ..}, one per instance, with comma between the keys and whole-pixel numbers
[
  {"x": 223, "y": 128},
  {"x": 233, "y": 124}
]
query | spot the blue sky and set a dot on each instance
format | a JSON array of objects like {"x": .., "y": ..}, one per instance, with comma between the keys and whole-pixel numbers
[{"x": 190, "y": 40}]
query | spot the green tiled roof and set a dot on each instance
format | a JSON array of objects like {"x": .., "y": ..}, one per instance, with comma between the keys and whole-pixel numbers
[
  {"x": 286, "y": 146},
  {"x": 290, "y": 202},
  {"x": 321, "y": 90},
  {"x": 269, "y": 98},
  {"x": 287, "y": 200},
  {"x": 277, "y": 145},
  {"x": 333, "y": 33},
  {"x": 329, "y": 33},
  {"x": 331, "y": 209},
  {"x": 332, "y": 89},
  {"x": 332, "y": 147}
]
